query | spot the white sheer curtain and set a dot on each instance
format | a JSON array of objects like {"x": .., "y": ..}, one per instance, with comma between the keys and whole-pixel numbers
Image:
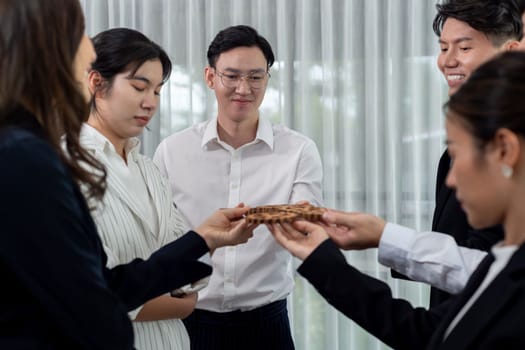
[{"x": 357, "y": 76}]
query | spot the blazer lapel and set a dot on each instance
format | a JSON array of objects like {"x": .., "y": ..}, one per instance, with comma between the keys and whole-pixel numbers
[
  {"x": 443, "y": 192},
  {"x": 154, "y": 187},
  {"x": 116, "y": 186},
  {"x": 483, "y": 313},
  {"x": 475, "y": 322}
]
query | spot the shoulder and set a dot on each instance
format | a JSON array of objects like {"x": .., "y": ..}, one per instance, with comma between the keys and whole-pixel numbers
[
  {"x": 13, "y": 138},
  {"x": 292, "y": 139},
  {"x": 33, "y": 172},
  {"x": 283, "y": 132},
  {"x": 192, "y": 133},
  {"x": 27, "y": 150}
]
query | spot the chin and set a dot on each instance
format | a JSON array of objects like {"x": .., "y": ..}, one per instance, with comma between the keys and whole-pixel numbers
[{"x": 479, "y": 222}]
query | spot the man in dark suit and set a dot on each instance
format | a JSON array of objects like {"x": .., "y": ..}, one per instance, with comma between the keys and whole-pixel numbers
[{"x": 470, "y": 32}]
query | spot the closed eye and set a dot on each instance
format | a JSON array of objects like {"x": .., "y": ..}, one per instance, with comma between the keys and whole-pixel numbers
[{"x": 231, "y": 76}]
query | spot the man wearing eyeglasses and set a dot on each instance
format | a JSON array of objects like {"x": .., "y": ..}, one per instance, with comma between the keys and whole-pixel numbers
[{"x": 241, "y": 157}]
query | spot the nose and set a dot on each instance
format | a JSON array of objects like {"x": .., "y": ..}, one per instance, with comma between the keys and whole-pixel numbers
[
  {"x": 450, "y": 181},
  {"x": 243, "y": 87},
  {"x": 150, "y": 101},
  {"x": 450, "y": 59}
]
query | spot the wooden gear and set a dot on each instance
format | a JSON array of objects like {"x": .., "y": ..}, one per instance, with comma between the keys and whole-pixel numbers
[{"x": 270, "y": 214}]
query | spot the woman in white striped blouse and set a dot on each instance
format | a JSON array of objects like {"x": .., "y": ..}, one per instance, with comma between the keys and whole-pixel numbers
[{"x": 136, "y": 216}]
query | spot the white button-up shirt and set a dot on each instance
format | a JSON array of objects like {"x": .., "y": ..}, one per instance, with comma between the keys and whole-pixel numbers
[{"x": 279, "y": 166}]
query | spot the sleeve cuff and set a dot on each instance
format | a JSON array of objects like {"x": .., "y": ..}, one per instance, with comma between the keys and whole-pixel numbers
[{"x": 394, "y": 245}]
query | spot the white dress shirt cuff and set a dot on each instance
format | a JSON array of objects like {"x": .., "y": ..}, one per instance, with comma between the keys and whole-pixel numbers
[
  {"x": 394, "y": 245},
  {"x": 429, "y": 257}
]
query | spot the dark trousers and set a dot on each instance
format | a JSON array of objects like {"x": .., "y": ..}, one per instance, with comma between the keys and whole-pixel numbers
[{"x": 264, "y": 328}]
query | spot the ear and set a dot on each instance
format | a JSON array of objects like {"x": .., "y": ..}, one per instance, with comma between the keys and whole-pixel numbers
[
  {"x": 95, "y": 82},
  {"x": 209, "y": 75},
  {"x": 507, "y": 146},
  {"x": 511, "y": 45}
]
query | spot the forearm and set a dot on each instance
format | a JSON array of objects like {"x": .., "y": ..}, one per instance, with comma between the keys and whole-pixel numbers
[
  {"x": 169, "y": 268},
  {"x": 429, "y": 257},
  {"x": 167, "y": 307},
  {"x": 368, "y": 301}
]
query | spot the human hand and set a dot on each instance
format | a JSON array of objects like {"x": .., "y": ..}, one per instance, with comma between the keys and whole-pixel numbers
[
  {"x": 353, "y": 230},
  {"x": 300, "y": 238},
  {"x": 226, "y": 227}
]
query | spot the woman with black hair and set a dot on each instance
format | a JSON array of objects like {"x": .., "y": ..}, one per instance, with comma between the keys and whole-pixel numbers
[
  {"x": 486, "y": 141},
  {"x": 136, "y": 216}
]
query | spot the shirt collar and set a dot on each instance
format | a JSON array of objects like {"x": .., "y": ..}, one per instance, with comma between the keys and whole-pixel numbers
[
  {"x": 91, "y": 138},
  {"x": 264, "y": 133}
]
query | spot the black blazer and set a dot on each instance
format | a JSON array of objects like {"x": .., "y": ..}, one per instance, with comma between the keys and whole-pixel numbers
[
  {"x": 449, "y": 218},
  {"x": 56, "y": 291},
  {"x": 495, "y": 320}
]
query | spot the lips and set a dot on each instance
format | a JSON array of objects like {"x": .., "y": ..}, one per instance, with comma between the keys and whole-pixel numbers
[
  {"x": 460, "y": 201},
  {"x": 455, "y": 79},
  {"x": 143, "y": 121}
]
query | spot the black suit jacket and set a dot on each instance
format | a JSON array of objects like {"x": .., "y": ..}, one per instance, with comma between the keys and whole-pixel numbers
[
  {"x": 495, "y": 320},
  {"x": 56, "y": 291}
]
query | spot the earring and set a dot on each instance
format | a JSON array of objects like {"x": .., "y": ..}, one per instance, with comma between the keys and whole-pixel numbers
[{"x": 506, "y": 171}]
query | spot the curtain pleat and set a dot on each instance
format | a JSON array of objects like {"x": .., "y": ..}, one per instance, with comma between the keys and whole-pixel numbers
[{"x": 359, "y": 77}]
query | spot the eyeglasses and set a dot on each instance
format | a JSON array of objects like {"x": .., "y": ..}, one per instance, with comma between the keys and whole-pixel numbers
[{"x": 255, "y": 80}]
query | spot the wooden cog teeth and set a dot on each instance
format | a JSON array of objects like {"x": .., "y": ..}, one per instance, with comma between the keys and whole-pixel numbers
[{"x": 280, "y": 213}]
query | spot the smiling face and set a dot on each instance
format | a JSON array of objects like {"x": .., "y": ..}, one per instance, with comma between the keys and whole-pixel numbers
[
  {"x": 463, "y": 49},
  {"x": 242, "y": 102},
  {"x": 126, "y": 107},
  {"x": 476, "y": 176}
]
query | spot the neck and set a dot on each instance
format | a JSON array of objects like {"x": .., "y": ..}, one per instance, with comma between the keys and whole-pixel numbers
[
  {"x": 118, "y": 143},
  {"x": 513, "y": 221},
  {"x": 237, "y": 133}
]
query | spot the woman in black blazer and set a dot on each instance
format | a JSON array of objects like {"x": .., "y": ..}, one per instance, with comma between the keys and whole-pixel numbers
[
  {"x": 486, "y": 142},
  {"x": 56, "y": 291}
]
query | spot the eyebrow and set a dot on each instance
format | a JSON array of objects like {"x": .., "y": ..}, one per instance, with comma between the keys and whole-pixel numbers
[
  {"x": 143, "y": 79},
  {"x": 233, "y": 70},
  {"x": 457, "y": 41}
]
